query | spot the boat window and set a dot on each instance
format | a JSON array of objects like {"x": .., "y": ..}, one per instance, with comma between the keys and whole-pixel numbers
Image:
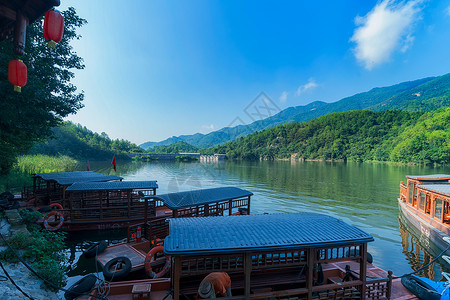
[
  {"x": 422, "y": 201},
  {"x": 411, "y": 192},
  {"x": 438, "y": 208}
]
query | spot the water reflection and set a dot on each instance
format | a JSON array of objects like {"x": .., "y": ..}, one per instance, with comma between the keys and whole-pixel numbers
[{"x": 420, "y": 251}]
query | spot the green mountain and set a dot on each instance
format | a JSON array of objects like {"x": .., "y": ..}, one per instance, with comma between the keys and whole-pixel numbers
[
  {"x": 420, "y": 95},
  {"x": 359, "y": 135}
]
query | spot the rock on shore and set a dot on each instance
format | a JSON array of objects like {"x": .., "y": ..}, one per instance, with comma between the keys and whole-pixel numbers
[{"x": 27, "y": 281}]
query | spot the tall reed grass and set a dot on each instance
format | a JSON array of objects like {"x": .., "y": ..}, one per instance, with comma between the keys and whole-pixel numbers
[{"x": 39, "y": 163}]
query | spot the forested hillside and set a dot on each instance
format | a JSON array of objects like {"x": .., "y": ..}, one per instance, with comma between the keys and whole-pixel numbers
[
  {"x": 360, "y": 135},
  {"x": 79, "y": 142},
  {"x": 419, "y": 95},
  {"x": 175, "y": 148}
]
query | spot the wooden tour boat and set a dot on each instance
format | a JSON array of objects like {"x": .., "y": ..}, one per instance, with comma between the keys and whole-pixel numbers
[
  {"x": 104, "y": 205},
  {"x": 198, "y": 203},
  {"x": 424, "y": 201},
  {"x": 50, "y": 187},
  {"x": 279, "y": 256}
]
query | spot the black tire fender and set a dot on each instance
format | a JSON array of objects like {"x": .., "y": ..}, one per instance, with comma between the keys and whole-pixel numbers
[
  {"x": 95, "y": 249},
  {"x": 352, "y": 253},
  {"x": 82, "y": 286},
  {"x": 123, "y": 265},
  {"x": 420, "y": 288}
]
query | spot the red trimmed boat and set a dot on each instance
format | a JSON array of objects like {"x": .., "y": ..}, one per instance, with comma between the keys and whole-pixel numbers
[{"x": 424, "y": 201}]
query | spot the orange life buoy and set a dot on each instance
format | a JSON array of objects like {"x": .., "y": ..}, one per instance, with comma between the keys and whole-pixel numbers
[
  {"x": 61, "y": 220},
  {"x": 157, "y": 242},
  {"x": 57, "y": 205},
  {"x": 148, "y": 263}
]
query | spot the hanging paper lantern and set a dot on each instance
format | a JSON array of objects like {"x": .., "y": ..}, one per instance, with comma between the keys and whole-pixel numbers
[
  {"x": 53, "y": 27},
  {"x": 17, "y": 74}
]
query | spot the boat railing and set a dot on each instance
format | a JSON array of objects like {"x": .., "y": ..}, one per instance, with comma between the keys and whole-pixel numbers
[
  {"x": 403, "y": 192},
  {"x": 153, "y": 230}
]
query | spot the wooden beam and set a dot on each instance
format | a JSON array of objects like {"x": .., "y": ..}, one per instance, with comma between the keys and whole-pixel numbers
[
  {"x": 363, "y": 268},
  {"x": 247, "y": 274},
  {"x": 176, "y": 277},
  {"x": 310, "y": 268},
  {"x": 20, "y": 33},
  {"x": 7, "y": 13}
]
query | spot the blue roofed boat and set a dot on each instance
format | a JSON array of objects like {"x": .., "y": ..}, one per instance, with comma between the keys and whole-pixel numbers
[
  {"x": 278, "y": 256},
  {"x": 197, "y": 203}
]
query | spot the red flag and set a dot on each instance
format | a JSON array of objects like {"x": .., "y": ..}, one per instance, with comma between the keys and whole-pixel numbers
[{"x": 114, "y": 163}]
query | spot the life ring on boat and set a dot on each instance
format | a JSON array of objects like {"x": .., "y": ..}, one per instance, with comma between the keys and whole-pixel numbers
[
  {"x": 420, "y": 288},
  {"x": 148, "y": 263},
  {"x": 61, "y": 220},
  {"x": 82, "y": 286},
  {"x": 57, "y": 205},
  {"x": 117, "y": 268},
  {"x": 95, "y": 249}
]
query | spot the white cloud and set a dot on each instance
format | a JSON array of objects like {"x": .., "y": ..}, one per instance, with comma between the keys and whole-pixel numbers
[
  {"x": 283, "y": 96},
  {"x": 311, "y": 84},
  {"x": 386, "y": 28},
  {"x": 208, "y": 127}
]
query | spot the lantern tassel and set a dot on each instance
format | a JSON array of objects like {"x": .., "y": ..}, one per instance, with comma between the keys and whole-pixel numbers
[
  {"x": 17, "y": 89},
  {"x": 52, "y": 44}
]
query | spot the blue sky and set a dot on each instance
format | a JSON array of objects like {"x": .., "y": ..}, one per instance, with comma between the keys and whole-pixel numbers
[{"x": 156, "y": 69}]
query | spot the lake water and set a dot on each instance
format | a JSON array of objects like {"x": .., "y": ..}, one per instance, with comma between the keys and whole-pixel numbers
[{"x": 363, "y": 195}]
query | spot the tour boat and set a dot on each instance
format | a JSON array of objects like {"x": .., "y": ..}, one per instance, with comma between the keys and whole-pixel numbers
[
  {"x": 197, "y": 203},
  {"x": 271, "y": 256},
  {"x": 424, "y": 201}
]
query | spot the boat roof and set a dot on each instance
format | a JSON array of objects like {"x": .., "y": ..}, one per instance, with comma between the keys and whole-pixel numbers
[
  {"x": 254, "y": 233},
  {"x": 67, "y": 178},
  {"x": 200, "y": 197},
  {"x": 114, "y": 185},
  {"x": 429, "y": 177},
  {"x": 443, "y": 188}
]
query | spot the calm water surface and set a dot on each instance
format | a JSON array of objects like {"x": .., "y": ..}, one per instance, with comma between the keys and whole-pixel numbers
[{"x": 363, "y": 195}]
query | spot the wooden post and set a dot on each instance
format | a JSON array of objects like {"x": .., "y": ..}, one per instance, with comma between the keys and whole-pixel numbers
[
  {"x": 389, "y": 285},
  {"x": 363, "y": 268},
  {"x": 248, "y": 205},
  {"x": 129, "y": 202},
  {"x": 176, "y": 277},
  {"x": 146, "y": 210},
  {"x": 19, "y": 33},
  {"x": 247, "y": 274},
  {"x": 310, "y": 269},
  {"x": 230, "y": 207},
  {"x": 101, "y": 205}
]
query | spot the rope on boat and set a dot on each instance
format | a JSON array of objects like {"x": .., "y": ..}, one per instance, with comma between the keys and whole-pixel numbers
[
  {"x": 424, "y": 267},
  {"x": 38, "y": 276}
]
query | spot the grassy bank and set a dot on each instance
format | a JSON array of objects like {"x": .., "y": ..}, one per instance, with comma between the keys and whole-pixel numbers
[{"x": 39, "y": 163}]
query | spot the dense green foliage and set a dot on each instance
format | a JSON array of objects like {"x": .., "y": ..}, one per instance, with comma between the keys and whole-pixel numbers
[
  {"x": 39, "y": 163},
  {"x": 420, "y": 95},
  {"x": 80, "y": 143},
  {"x": 49, "y": 95},
  {"x": 360, "y": 135},
  {"x": 42, "y": 248},
  {"x": 175, "y": 148}
]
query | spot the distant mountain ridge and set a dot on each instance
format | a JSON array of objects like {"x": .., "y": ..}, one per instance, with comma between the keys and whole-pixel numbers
[{"x": 422, "y": 94}]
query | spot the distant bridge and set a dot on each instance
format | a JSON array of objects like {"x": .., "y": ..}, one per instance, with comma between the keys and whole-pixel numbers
[{"x": 201, "y": 157}]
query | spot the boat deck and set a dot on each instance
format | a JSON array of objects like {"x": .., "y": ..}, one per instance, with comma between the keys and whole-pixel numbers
[{"x": 136, "y": 252}]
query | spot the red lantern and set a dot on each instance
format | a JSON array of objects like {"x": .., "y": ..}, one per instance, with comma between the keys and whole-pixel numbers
[
  {"x": 17, "y": 74},
  {"x": 53, "y": 27}
]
